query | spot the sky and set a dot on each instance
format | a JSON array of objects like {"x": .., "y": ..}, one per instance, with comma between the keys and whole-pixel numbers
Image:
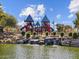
[{"x": 59, "y": 11}]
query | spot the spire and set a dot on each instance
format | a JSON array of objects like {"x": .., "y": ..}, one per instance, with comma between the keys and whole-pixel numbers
[
  {"x": 45, "y": 19},
  {"x": 38, "y": 24},
  {"x": 29, "y": 19}
]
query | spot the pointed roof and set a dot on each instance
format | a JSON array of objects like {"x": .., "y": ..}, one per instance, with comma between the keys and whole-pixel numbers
[
  {"x": 29, "y": 19},
  {"x": 38, "y": 24},
  {"x": 45, "y": 19}
]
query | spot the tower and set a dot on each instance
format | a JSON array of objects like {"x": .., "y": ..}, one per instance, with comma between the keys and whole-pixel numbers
[
  {"x": 45, "y": 24},
  {"x": 37, "y": 29},
  {"x": 29, "y": 24}
]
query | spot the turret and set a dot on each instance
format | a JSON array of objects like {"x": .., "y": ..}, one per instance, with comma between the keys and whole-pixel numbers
[
  {"x": 29, "y": 24},
  {"x": 45, "y": 24}
]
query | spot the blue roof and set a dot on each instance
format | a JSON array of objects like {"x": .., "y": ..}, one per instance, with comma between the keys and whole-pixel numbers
[
  {"x": 45, "y": 19},
  {"x": 38, "y": 24},
  {"x": 29, "y": 19}
]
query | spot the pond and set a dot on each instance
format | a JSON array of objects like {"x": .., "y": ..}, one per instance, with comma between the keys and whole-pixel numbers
[{"x": 23, "y": 51}]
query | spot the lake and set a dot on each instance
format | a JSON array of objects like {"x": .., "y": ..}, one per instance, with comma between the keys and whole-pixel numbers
[{"x": 23, "y": 51}]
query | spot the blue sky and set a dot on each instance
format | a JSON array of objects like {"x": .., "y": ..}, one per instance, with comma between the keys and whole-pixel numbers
[{"x": 60, "y": 11}]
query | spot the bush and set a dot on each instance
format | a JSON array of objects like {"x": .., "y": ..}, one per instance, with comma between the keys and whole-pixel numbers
[
  {"x": 23, "y": 33},
  {"x": 75, "y": 35},
  {"x": 62, "y": 34},
  {"x": 46, "y": 33},
  {"x": 78, "y": 34},
  {"x": 34, "y": 33},
  {"x": 28, "y": 35},
  {"x": 1, "y": 29},
  {"x": 54, "y": 33},
  {"x": 37, "y": 37},
  {"x": 70, "y": 34}
]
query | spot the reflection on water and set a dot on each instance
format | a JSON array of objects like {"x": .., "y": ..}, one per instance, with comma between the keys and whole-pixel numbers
[{"x": 8, "y": 51}]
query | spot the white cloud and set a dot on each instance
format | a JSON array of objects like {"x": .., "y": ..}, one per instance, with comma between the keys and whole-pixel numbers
[
  {"x": 58, "y": 16},
  {"x": 27, "y": 11},
  {"x": 36, "y": 11},
  {"x": 74, "y": 6},
  {"x": 70, "y": 16},
  {"x": 41, "y": 9}
]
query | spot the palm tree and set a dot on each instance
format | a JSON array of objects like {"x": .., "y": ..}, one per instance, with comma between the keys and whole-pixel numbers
[{"x": 76, "y": 21}]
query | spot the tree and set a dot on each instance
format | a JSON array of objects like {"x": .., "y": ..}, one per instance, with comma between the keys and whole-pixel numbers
[
  {"x": 54, "y": 33},
  {"x": 27, "y": 35},
  {"x": 2, "y": 22},
  {"x": 76, "y": 21},
  {"x": 63, "y": 28},
  {"x": 70, "y": 34},
  {"x": 11, "y": 21},
  {"x": 68, "y": 28},
  {"x": 46, "y": 33},
  {"x": 6, "y": 19},
  {"x": 62, "y": 34},
  {"x": 60, "y": 27},
  {"x": 75, "y": 35}
]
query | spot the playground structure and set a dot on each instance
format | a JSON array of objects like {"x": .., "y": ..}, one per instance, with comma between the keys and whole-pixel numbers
[{"x": 38, "y": 28}]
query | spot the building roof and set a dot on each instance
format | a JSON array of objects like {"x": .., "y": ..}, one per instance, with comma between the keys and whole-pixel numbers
[
  {"x": 29, "y": 19},
  {"x": 45, "y": 19},
  {"x": 38, "y": 24}
]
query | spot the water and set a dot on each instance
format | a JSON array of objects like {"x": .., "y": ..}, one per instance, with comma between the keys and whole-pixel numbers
[{"x": 9, "y": 51}]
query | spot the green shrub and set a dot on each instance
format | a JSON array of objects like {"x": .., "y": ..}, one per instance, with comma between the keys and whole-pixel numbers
[
  {"x": 23, "y": 33},
  {"x": 75, "y": 35},
  {"x": 54, "y": 33},
  {"x": 27, "y": 35},
  {"x": 62, "y": 34},
  {"x": 78, "y": 34},
  {"x": 70, "y": 34},
  {"x": 46, "y": 33},
  {"x": 34, "y": 33},
  {"x": 37, "y": 37}
]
